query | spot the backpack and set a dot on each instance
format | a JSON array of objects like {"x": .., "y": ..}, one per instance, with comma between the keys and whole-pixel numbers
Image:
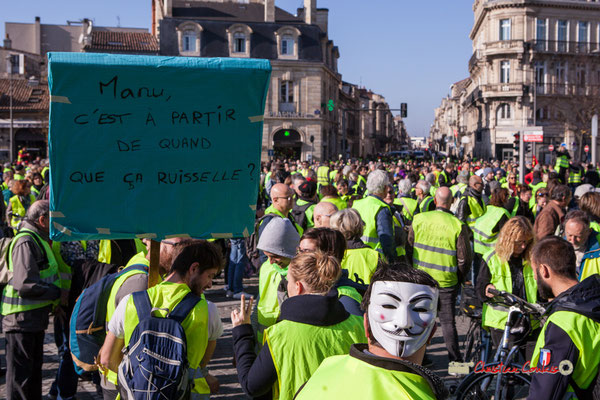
[
  {"x": 155, "y": 364},
  {"x": 251, "y": 242},
  {"x": 299, "y": 214},
  {"x": 88, "y": 321}
]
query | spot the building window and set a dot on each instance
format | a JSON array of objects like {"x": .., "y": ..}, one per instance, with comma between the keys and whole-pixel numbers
[
  {"x": 189, "y": 41},
  {"x": 562, "y": 31},
  {"x": 504, "y": 71},
  {"x": 504, "y": 112},
  {"x": 582, "y": 36},
  {"x": 287, "y": 45},
  {"x": 505, "y": 29},
  {"x": 581, "y": 75},
  {"x": 188, "y": 34},
  {"x": 541, "y": 34},
  {"x": 286, "y": 92},
  {"x": 239, "y": 43},
  {"x": 540, "y": 77}
]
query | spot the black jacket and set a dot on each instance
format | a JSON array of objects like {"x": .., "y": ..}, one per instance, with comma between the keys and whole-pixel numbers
[
  {"x": 583, "y": 298},
  {"x": 257, "y": 374}
]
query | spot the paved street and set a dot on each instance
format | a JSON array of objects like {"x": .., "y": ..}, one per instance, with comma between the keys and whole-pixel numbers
[{"x": 221, "y": 364}]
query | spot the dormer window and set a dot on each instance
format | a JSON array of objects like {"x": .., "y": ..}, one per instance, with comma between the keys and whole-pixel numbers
[
  {"x": 188, "y": 34},
  {"x": 239, "y": 40},
  {"x": 287, "y": 42}
]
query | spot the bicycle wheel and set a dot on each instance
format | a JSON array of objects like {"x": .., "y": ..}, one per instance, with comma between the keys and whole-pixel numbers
[
  {"x": 468, "y": 345},
  {"x": 482, "y": 386}
]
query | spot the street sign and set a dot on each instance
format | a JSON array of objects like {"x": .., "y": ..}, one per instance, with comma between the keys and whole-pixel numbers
[
  {"x": 271, "y": 152},
  {"x": 550, "y": 148},
  {"x": 586, "y": 148},
  {"x": 533, "y": 138}
]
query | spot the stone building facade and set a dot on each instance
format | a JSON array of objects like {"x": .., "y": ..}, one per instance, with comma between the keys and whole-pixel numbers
[{"x": 534, "y": 66}]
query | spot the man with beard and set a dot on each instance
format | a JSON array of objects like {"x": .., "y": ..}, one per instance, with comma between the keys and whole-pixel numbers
[
  {"x": 569, "y": 341},
  {"x": 400, "y": 308}
]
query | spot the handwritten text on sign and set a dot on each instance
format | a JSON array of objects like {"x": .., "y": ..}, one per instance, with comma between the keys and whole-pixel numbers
[{"x": 154, "y": 146}]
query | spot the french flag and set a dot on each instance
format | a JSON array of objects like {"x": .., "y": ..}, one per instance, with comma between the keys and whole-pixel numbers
[{"x": 545, "y": 356}]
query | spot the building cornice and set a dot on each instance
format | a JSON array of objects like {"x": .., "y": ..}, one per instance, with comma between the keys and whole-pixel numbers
[{"x": 488, "y": 6}]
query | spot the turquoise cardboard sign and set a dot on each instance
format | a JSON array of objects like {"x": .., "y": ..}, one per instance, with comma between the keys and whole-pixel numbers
[{"x": 154, "y": 147}]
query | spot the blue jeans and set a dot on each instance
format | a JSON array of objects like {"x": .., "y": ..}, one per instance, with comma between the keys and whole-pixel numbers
[
  {"x": 65, "y": 385},
  {"x": 237, "y": 264}
]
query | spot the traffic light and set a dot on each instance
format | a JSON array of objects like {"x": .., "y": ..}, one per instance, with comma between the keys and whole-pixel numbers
[
  {"x": 528, "y": 148},
  {"x": 330, "y": 105},
  {"x": 517, "y": 137},
  {"x": 403, "y": 110}
]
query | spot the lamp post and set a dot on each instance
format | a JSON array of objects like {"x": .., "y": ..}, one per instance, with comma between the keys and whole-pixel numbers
[{"x": 9, "y": 58}]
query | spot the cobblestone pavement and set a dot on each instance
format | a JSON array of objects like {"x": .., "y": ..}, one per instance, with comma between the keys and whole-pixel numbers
[{"x": 222, "y": 362}]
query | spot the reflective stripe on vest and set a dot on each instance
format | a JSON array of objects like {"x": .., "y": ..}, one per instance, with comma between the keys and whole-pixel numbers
[
  {"x": 483, "y": 236},
  {"x": 163, "y": 298},
  {"x": 351, "y": 292},
  {"x": 64, "y": 270},
  {"x": 409, "y": 206},
  {"x": 347, "y": 377},
  {"x": 360, "y": 263},
  {"x": 323, "y": 175},
  {"x": 11, "y": 301},
  {"x": 476, "y": 210},
  {"x": 574, "y": 178},
  {"x": 298, "y": 349},
  {"x": 368, "y": 208},
  {"x": 18, "y": 210},
  {"x": 500, "y": 276},
  {"x": 585, "y": 334},
  {"x": 425, "y": 204},
  {"x": 268, "y": 307},
  {"x": 434, "y": 252},
  {"x": 561, "y": 162}
]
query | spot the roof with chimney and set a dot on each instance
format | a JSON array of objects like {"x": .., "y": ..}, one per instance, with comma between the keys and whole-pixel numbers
[
  {"x": 122, "y": 42},
  {"x": 250, "y": 12},
  {"x": 25, "y": 97},
  {"x": 215, "y": 18}
]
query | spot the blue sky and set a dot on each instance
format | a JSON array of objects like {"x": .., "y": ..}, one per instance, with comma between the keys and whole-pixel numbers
[{"x": 408, "y": 51}]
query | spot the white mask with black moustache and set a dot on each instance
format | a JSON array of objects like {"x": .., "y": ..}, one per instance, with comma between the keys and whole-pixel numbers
[{"x": 402, "y": 315}]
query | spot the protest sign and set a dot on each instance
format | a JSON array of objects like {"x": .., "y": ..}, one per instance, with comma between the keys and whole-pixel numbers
[{"x": 154, "y": 147}]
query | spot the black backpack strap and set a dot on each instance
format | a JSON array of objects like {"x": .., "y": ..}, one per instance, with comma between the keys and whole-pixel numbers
[
  {"x": 185, "y": 306},
  {"x": 142, "y": 304}
]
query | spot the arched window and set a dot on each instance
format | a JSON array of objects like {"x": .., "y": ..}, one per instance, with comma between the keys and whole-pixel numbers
[
  {"x": 188, "y": 35},
  {"x": 238, "y": 36},
  {"x": 287, "y": 42}
]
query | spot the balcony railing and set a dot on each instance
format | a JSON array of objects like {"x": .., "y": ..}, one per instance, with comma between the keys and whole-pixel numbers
[
  {"x": 567, "y": 89},
  {"x": 565, "y": 47},
  {"x": 502, "y": 87},
  {"x": 504, "y": 45}
]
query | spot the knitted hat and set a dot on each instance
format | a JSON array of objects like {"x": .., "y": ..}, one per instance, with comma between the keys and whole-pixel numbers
[
  {"x": 487, "y": 171},
  {"x": 279, "y": 237},
  {"x": 308, "y": 189}
]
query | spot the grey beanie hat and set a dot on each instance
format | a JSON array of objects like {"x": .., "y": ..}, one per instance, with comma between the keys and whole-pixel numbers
[{"x": 279, "y": 237}]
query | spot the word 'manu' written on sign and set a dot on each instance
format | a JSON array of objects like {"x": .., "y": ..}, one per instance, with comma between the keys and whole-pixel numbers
[{"x": 166, "y": 138}]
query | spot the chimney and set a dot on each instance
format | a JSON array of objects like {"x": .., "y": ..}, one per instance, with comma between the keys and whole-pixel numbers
[
  {"x": 7, "y": 43},
  {"x": 310, "y": 11},
  {"x": 168, "y": 12},
  {"x": 37, "y": 37},
  {"x": 269, "y": 10},
  {"x": 322, "y": 18}
]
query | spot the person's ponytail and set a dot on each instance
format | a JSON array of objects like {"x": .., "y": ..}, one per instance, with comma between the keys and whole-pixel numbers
[{"x": 318, "y": 270}]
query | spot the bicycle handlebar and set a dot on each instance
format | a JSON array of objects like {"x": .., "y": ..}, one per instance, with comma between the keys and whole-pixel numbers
[{"x": 509, "y": 299}]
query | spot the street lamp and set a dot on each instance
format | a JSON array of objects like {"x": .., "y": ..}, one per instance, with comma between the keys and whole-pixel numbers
[{"x": 9, "y": 58}]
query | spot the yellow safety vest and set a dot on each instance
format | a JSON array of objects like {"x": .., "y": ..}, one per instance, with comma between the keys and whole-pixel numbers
[
  {"x": 164, "y": 297},
  {"x": 368, "y": 208},
  {"x": 361, "y": 263},
  {"x": 434, "y": 252},
  {"x": 484, "y": 239},
  {"x": 298, "y": 349},
  {"x": 268, "y": 309},
  {"x": 18, "y": 210}
]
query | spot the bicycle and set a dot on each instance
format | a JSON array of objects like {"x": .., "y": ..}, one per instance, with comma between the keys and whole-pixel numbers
[
  {"x": 477, "y": 342},
  {"x": 503, "y": 378}
]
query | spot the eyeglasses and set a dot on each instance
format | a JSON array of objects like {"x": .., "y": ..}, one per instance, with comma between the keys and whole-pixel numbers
[
  {"x": 541, "y": 194},
  {"x": 289, "y": 198},
  {"x": 512, "y": 178}
]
